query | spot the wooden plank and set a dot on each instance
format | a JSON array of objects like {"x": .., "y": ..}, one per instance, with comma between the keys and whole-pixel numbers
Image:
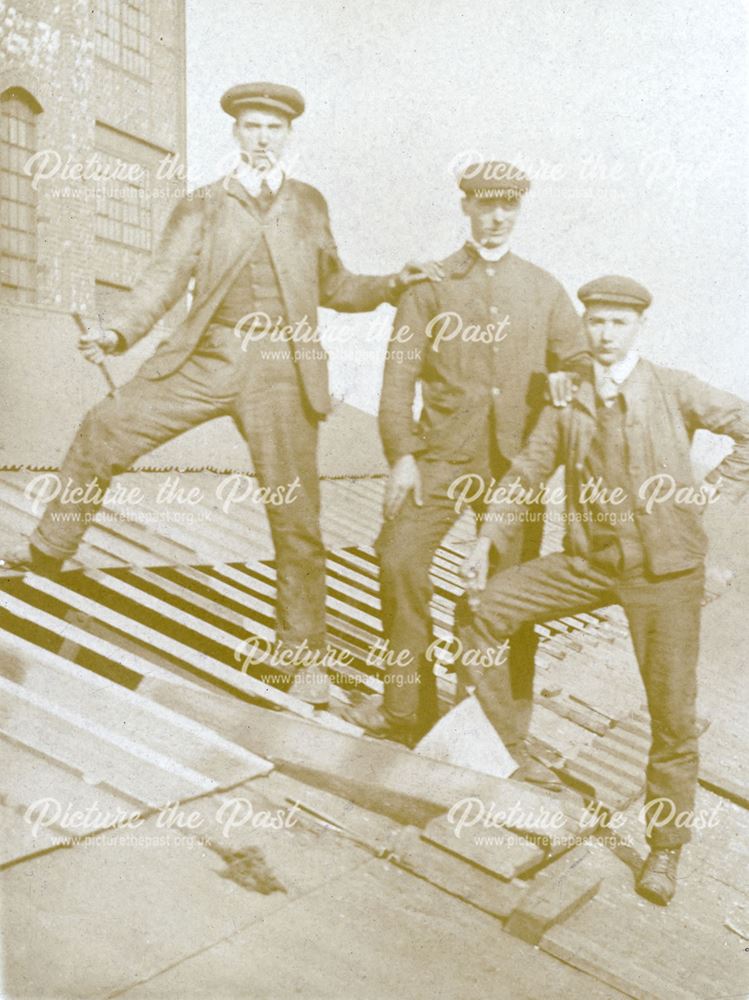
[
  {"x": 368, "y": 828},
  {"x": 454, "y": 876},
  {"x": 71, "y": 741},
  {"x": 568, "y": 885},
  {"x": 508, "y": 856},
  {"x": 375, "y": 774},
  {"x": 208, "y": 667},
  {"x": 115, "y": 710},
  {"x": 29, "y": 778}
]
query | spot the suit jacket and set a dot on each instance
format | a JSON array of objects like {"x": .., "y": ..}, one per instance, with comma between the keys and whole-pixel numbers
[
  {"x": 210, "y": 236},
  {"x": 664, "y": 408},
  {"x": 514, "y": 322}
]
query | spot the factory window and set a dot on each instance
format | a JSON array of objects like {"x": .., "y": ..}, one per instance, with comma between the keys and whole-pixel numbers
[
  {"x": 123, "y": 209},
  {"x": 123, "y": 34},
  {"x": 18, "y": 113}
]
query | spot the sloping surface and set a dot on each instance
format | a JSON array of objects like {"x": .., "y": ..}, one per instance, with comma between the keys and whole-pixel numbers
[{"x": 124, "y": 691}]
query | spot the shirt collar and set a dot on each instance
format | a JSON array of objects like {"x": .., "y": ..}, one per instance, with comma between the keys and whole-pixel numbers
[
  {"x": 619, "y": 372},
  {"x": 252, "y": 180},
  {"x": 492, "y": 254}
]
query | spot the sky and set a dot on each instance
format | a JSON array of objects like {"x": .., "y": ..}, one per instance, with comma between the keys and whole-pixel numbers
[{"x": 630, "y": 118}]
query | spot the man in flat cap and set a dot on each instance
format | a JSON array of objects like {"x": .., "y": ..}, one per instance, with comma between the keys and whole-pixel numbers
[
  {"x": 635, "y": 535},
  {"x": 480, "y": 343},
  {"x": 257, "y": 252}
]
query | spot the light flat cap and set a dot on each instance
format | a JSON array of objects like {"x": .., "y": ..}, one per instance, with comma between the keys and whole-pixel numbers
[
  {"x": 494, "y": 179},
  {"x": 271, "y": 96},
  {"x": 617, "y": 290}
]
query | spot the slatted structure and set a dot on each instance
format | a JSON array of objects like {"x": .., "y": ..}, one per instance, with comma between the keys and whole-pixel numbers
[{"x": 126, "y": 688}]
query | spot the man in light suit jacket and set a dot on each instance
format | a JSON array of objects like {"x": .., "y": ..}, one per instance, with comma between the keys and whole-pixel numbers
[{"x": 259, "y": 252}]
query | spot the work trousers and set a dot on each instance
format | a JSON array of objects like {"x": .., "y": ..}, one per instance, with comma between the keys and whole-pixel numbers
[
  {"x": 664, "y": 620},
  {"x": 406, "y": 548},
  {"x": 269, "y": 409}
]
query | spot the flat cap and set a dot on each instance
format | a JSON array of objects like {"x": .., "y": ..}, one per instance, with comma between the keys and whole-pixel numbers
[
  {"x": 272, "y": 96},
  {"x": 494, "y": 179},
  {"x": 617, "y": 290}
]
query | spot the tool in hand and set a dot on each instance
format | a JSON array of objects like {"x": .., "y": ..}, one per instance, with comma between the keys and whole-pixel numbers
[{"x": 102, "y": 365}]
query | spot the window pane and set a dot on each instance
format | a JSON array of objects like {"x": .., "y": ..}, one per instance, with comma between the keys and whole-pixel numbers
[
  {"x": 123, "y": 35},
  {"x": 17, "y": 196}
]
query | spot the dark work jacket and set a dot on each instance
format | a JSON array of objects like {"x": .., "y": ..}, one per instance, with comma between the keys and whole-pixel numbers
[
  {"x": 210, "y": 236},
  {"x": 469, "y": 385},
  {"x": 664, "y": 408}
]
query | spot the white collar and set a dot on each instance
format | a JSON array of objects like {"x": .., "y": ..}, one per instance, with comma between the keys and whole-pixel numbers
[
  {"x": 492, "y": 254},
  {"x": 609, "y": 380},
  {"x": 252, "y": 180},
  {"x": 620, "y": 371}
]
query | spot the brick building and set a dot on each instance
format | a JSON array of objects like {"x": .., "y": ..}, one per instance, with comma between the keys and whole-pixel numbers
[
  {"x": 92, "y": 154},
  {"x": 92, "y": 158}
]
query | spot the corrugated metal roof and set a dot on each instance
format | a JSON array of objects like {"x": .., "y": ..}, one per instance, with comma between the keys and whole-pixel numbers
[{"x": 169, "y": 599}]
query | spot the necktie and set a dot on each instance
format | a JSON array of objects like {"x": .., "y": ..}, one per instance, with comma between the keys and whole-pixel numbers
[
  {"x": 265, "y": 197},
  {"x": 607, "y": 389}
]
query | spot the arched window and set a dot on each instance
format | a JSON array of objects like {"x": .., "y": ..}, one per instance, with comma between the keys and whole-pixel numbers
[{"x": 18, "y": 113}]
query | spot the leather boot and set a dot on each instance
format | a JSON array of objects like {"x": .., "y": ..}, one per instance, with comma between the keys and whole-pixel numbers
[
  {"x": 371, "y": 716},
  {"x": 28, "y": 558},
  {"x": 657, "y": 880}
]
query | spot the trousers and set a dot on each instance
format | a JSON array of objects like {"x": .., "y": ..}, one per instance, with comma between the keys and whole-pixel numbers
[
  {"x": 664, "y": 620},
  {"x": 269, "y": 409},
  {"x": 406, "y": 547}
]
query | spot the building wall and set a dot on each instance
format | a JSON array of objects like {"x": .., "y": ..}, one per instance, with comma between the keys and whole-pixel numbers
[
  {"x": 110, "y": 139},
  {"x": 107, "y": 83},
  {"x": 94, "y": 111}
]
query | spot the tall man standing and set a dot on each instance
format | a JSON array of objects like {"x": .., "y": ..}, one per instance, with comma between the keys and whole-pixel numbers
[
  {"x": 480, "y": 342},
  {"x": 635, "y": 536},
  {"x": 257, "y": 251}
]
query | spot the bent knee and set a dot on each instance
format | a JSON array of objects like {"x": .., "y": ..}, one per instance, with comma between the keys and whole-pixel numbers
[{"x": 480, "y": 623}]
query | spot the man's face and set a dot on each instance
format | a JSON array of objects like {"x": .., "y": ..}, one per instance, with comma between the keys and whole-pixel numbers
[
  {"x": 261, "y": 135},
  {"x": 613, "y": 331},
  {"x": 492, "y": 219}
]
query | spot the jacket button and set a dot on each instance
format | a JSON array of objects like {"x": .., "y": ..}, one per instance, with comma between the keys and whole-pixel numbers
[
  {"x": 491, "y": 272},
  {"x": 496, "y": 391},
  {"x": 493, "y": 310}
]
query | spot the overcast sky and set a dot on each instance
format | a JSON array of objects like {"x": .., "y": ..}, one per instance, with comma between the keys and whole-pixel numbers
[{"x": 629, "y": 116}]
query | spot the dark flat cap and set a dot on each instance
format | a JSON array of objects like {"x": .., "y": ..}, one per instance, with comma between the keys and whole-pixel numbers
[
  {"x": 617, "y": 290},
  {"x": 272, "y": 96},
  {"x": 494, "y": 179}
]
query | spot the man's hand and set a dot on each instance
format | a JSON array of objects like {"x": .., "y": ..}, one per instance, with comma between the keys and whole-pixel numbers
[
  {"x": 97, "y": 344},
  {"x": 717, "y": 581},
  {"x": 562, "y": 387},
  {"x": 404, "y": 477},
  {"x": 414, "y": 272},
  {"x": 475, "y": 569}
]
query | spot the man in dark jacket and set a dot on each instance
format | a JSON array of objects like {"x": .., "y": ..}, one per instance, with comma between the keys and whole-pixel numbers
[
  {"x": 257, "y": 252},
  {"x": 480, "y": 343},
  {"x": 635, "y": 536}
]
